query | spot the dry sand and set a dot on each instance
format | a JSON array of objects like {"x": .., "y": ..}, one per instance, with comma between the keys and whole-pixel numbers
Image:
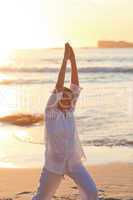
[{"x": 113, "y": 180}]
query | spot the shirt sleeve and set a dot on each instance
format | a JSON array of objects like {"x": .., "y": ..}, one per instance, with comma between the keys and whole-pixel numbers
[
  {"x": 76, "y": 89},
  {"x": 53, "y": 99}
]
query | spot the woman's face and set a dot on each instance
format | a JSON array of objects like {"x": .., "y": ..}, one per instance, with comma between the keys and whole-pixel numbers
[{"x": 66, "y": 102}]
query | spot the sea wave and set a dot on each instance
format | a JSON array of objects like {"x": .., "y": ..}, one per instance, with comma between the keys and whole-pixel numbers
[
  {"x": 25, "y": 81},
  {"x": 21, "y": 119},
  {"x": 96, "y": 142},
  {"x": 108, "y": 142},
  {"x": 111, "y": 59},
  {"x": 94, "y": 69},
  {"x": 104, "y": 71}
]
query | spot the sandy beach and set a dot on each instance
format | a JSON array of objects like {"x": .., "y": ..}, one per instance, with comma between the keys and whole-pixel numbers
[{"x": 114, "y": 181}]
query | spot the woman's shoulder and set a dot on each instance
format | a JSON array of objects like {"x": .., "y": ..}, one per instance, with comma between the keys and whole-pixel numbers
[{"x": 56, "y": 113}]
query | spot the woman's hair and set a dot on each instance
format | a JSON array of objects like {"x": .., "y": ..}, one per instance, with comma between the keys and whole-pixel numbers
[{"x": 67, "y": 89}]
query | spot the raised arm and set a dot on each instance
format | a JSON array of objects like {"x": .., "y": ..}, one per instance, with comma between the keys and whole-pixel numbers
[
  {"x": 74, "y": 71},
  {"x": 58, "y": 89},
  {"x": 74, "y": 86},
  {"x": 61, "y": 76}
]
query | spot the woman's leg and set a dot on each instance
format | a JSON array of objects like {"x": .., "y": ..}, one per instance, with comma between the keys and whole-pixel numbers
[
  {"x": 83, "y": 180},
  {"x": 48, "y": 184}
]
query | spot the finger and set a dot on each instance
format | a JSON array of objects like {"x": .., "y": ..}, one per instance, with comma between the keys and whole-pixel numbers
[
  {"x": 69, "y": 51},
  {"x": 67, "y": 45}
]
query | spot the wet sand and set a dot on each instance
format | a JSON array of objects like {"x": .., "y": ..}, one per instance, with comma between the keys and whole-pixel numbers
[{"x": 114, "y": 181}]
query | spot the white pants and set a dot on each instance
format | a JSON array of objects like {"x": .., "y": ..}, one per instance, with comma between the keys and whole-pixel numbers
[{"x": 50, "y": 181}]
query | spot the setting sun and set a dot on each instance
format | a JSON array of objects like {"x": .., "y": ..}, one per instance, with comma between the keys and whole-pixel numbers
[{"x": 22, "y": 25}]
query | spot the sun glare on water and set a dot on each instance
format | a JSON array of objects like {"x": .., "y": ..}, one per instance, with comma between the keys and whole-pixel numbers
[
  {"x": 23, "y": 136},
  {"x": 5, "y": 55},
  {"x": 4, "y": 136},
  {"x": 7, "y": 165}
]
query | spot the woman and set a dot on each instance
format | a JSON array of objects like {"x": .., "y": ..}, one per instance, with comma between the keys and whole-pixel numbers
[{"x": 64, "y": 154}]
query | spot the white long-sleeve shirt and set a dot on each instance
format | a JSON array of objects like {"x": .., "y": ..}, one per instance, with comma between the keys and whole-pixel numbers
[{"x": 61, "y": 136}]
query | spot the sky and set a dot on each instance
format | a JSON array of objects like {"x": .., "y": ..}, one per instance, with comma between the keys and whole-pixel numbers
[{"x": 50, "y": 23}]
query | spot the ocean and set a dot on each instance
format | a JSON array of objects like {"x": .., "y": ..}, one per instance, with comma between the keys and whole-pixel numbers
[{"x": 104, "y": 111}]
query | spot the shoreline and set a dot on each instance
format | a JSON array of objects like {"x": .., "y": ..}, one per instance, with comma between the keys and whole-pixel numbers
[
  {"x": 85, "y": 163},
  {"x": 95, "y": 156},
  {"x": 113, "y": 180}
]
